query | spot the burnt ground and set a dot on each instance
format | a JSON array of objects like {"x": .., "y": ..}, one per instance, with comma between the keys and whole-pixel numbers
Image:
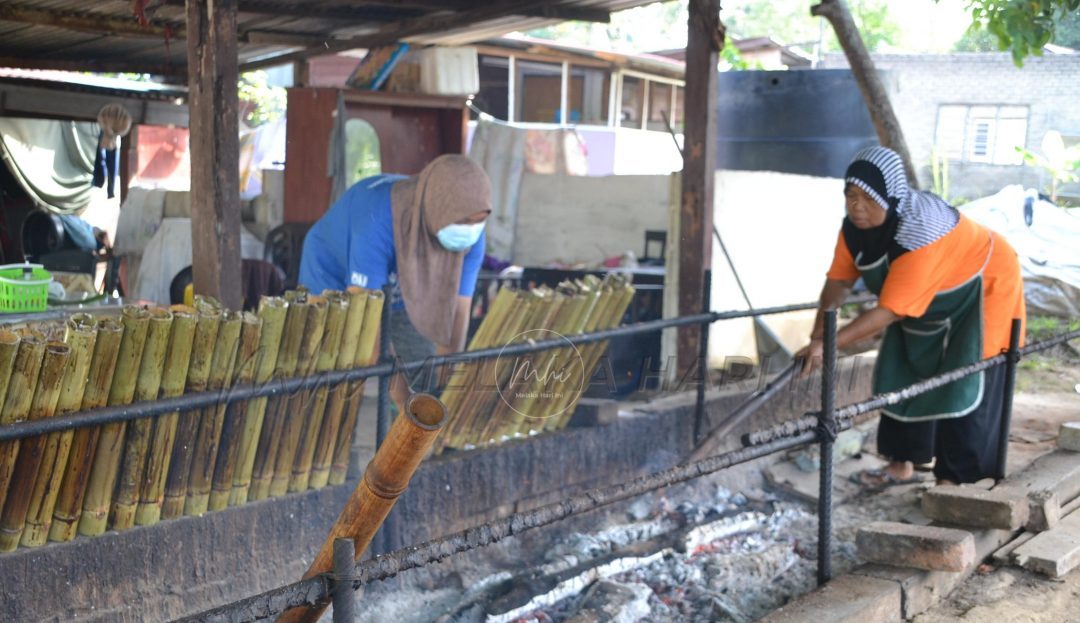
[{"x": 744, "y": 575}]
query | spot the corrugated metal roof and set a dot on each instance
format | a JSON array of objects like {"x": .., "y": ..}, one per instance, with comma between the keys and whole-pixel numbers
[{"x": 107, "y": 36}]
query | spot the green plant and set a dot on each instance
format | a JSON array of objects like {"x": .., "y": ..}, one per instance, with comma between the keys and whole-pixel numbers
[
  {"x": 1022, "y": 26},
  {"x": 939, "y": 171},
  {"x": 1060, "y": 162},
  {"x": 260, "y": 102}
]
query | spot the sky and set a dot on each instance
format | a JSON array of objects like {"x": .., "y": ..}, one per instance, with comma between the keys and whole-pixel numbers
[{"x": 924, "y": 25}]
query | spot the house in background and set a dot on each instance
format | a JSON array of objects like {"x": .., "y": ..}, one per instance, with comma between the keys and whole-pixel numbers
[{"x": 975, "y": 108}]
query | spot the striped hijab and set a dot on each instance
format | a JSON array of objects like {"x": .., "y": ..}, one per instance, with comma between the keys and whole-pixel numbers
[{"x": 916, "y": 218}]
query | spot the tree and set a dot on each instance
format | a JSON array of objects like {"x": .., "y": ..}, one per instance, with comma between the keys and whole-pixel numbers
[
  {"x": 1024, "y": 26},
  {"x": 976, "y": 39},
  {"x": 873, "y": 90}
]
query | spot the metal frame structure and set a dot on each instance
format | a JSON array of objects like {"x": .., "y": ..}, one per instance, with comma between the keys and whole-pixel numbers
[{"x": 818, "y": 427}]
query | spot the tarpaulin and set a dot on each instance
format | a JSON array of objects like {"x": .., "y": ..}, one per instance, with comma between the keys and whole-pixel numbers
[{"x": 52, "y": 160}]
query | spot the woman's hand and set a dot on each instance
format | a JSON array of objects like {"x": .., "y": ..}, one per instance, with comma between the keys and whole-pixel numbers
[{"x": 811, "y": 356}]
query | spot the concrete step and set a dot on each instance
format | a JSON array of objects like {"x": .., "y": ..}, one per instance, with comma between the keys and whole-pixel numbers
[
  {"x": 846, "y": 599},
  {"x": 975, "y": 507},
  {"x": 1054, "y": 552},
  {"x": 930, "y": 548},
  {"x": 1069, "y": 436}
]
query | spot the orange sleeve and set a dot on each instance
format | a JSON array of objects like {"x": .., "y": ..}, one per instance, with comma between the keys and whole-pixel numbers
[
  {"x": 914, "y": 280},
  {"x": 843, "y": 265}
]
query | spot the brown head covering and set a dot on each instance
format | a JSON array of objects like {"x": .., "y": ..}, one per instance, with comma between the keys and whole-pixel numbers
[{"x": 449, "y": 189}]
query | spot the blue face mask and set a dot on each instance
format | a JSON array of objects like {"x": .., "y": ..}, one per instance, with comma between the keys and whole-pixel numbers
[{"x": 459, "y": 237}]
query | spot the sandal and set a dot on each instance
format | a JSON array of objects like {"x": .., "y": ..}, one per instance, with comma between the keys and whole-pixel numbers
[{"x": 878, "y": 479}]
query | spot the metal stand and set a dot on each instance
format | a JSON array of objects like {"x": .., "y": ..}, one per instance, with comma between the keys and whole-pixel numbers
[
  {"x": 382, "y": 422},
  {"x": 344, "y": 599},
  {"x": 1011, "y": 359},
  {"x": 703, "y": 360},
  {"x": 826, "y": 435}
]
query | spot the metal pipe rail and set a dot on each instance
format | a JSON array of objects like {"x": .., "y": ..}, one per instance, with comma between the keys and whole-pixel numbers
[
  {"x": 817, "y": 427},
  {"x": 200, "y": 400}
]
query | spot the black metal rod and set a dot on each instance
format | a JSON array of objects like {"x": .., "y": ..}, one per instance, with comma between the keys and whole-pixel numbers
[
  {"x": 317, "y": 589},
  {"x": 703, "y": 361},
  {"x": 344, "y": 599},
  {"x": 200, "y": 400},
  {"x": 277, "y": 387},
  {"x": 826, "y": 433},
  {"x": 1012, "y": 357},
  {"x": 382, "y": 419}
]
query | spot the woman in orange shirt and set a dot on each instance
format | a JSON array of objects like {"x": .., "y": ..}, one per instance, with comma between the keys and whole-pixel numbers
[{"x": 947, "y": 291}]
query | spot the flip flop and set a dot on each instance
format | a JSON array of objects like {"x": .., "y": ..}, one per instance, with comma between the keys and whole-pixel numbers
[{"x": 883, "y": 479}]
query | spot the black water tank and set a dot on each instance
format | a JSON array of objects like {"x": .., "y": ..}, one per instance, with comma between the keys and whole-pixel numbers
[{"x": 803, "y": 121}]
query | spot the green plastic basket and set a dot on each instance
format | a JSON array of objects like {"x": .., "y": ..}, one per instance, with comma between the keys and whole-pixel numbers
[{"x": 24, "y": 288}]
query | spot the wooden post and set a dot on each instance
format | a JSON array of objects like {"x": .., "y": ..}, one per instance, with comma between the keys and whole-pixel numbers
[
  {"x": 215, "y": 150},
  {"x": 705, "y": 38}
]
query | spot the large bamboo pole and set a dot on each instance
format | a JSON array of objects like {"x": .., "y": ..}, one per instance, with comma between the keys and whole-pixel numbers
[
  {"x": 43, "y": 405},
  {"x": 272, "y": 311},
  {"x": 298, "y": 405},
  {"x": 110, "y": 446},
  {"x": 366, "y": 355},
  {"x": 386, "y": 477},
  {"x": 80, "y": 335},
  {"x": 136, "y": 445},
  {"x": 336, "y": 315},
  {"x": 20, "y": 393},
  {"x": 273, "y": 428},
  {"x": 173, "y": 378},
  {"x": 213, "y": 418},
  {"x": 69, "y": 501},
  {"x": 187, "y": 428},
  {"x": 233, "y": 426},
  {"x": 338, "y": 395}
]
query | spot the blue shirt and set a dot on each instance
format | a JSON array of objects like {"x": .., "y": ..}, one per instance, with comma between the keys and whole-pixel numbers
[{"x": 353, "y": 244}]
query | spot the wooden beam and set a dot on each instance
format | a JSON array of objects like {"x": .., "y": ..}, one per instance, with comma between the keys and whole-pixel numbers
[
  {"x": 705, "y": 38},
  {"x": 215, "y": 150},
  {"x": 569, "y": 13},
  {"x": 87, "y": 21},
  {"x": 404, "y": 29}
]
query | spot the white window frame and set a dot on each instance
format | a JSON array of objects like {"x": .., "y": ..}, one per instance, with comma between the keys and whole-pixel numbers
[{"x": 967, "y": 132}]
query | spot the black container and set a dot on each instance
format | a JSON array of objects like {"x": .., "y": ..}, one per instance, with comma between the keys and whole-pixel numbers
[{"x": 808, "y": 122}]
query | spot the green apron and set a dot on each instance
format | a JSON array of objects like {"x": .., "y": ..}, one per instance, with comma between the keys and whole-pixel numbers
[{"x": 946, "y": 337}]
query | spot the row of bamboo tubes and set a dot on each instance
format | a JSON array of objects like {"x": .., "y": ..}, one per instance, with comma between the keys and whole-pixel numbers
[
  {"x": 508, "y": 397},
  {"x": 87, "y": 480}
]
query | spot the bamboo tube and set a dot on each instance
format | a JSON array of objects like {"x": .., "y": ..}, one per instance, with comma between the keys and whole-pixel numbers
[
  {"x": 187, "y": 428},
  {"x": 492, "y": 424},
  {"x": 272, "y": 311},
  {"x": 173, "y": 378},
  {"x": 20, "y": 392},
  {"x": 69, "y": 501},
  {"x": 336, "y": 315},
  {"x": 43, "y": 405},
  {"x": 551, "y": 368},
  {"x": 110, "y": 446},
  {"x": 625, "y": 294},
  {"x": 297, "y": 406},
  {"x": 10, "y": 345},
  {"x": 273, "y": 428},
  {"x": 463, "y": 388},
  {"x": 483, "y": 393},
  {"x": 233, "y": 426},
  {"x": 136, "y": 445},
  {"x": 80, "y": 336},
  {"x": 386, "y": 477},
  {"x": 366, "y": 354},
  {"x": 213, "y": 418},
  {"x": 338, "y": 395}
]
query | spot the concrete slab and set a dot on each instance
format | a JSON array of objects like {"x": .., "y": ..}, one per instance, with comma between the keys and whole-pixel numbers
[
  {"x": 931, "y": 548},
  {"x": 921, "y": 589},
  {"x": 1057, "y": 471},
  {"x": 846, "y": 599},
  {"x": 1054, "y": 552},
  {"x": 974, "y": 507},
  {"x": 1069, "y": 436}
]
